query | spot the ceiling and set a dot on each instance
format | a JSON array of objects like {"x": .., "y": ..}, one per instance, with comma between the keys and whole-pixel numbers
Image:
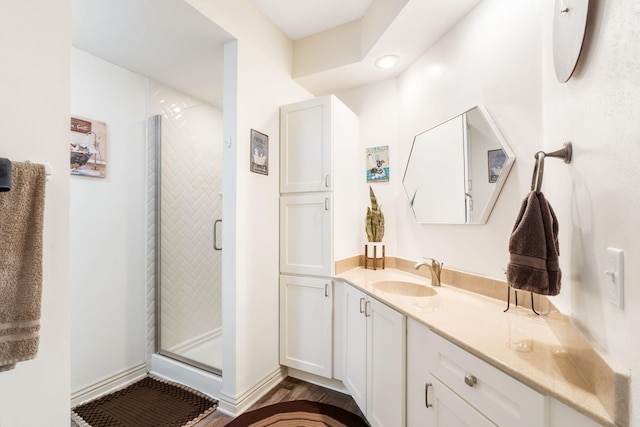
[
  {"x": 165, "y": 40},
  {"x": 171, "y": 42},
  {"x": 299, "y": 19}
]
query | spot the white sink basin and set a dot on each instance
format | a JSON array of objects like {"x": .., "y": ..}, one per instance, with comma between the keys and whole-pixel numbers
[{"x": 400, "y": 287}]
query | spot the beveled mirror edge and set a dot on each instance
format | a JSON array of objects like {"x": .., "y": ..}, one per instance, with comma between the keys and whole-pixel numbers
[{"x": 506, "y": 168}]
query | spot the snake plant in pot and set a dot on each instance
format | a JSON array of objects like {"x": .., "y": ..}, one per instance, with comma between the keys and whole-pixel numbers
[{"x": 374, "y": 226}]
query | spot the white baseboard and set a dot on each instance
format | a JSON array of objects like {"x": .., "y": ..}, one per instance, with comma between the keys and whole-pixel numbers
[
  {"x": 236, "y": 405},
  {"x": 108, "y": 385}
]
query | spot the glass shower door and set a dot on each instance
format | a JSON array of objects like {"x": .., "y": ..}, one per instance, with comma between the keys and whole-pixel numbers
[{"x": 189, "y": 183}]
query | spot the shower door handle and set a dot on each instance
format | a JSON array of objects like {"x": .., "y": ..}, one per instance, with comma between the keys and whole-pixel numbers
[{"x": 215, "y": 235}]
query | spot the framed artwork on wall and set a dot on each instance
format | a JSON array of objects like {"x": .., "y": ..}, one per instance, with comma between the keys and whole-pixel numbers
[
  {"x": 259, "y": 153},
  {"x": 88, "y": 147},
  {"x": 378, "y": 164}
]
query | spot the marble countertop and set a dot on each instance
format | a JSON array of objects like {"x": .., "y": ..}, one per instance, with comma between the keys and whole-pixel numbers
[{"x": 478, "y": 324}]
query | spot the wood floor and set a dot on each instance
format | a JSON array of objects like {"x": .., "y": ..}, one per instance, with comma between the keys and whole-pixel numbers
[{"x": 290, "y": 389}]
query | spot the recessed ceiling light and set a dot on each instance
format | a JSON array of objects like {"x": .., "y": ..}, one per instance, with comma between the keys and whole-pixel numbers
[{"x": 387, "y": 61}]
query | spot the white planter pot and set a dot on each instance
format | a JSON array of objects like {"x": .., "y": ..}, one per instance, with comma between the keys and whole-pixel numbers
[{"x": 378, "y": 253}]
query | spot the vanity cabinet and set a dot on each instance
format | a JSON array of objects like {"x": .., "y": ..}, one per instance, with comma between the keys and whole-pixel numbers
[
  {"x": 448, "y": 386},
  {"x": 306, "y": 327},
  {"x": 374, "y": 358},
  {"x": 560, "y": 415}
]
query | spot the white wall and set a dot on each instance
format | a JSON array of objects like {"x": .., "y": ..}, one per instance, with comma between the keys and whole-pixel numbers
[
  {"x": 107, "y": 255},
  {"x": 597, "y": 197},
  {"x": 34, "y": 125},
  {"x": 492, "y": 57},
  {"x": 250, "y": 265},
  {"x": 375, "y": 105}
]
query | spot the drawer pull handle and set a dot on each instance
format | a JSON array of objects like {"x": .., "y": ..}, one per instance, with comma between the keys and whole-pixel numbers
[
  {"x": 367, "y": 309},
  {"x": 326, "y": 290},
  {"x": 470, "y": 380},
  {"x": 361, "y": 309},
  {"x": 426, "y": 395}
]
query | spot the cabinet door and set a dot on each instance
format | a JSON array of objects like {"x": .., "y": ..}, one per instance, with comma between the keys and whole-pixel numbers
[
  {"x": 306, "y": 324},
  {"x": 560, "y": 415},
  {"x": 449, "y": 410},
  {"x": 418, "y": 378},
  {"x": 429, "y": 402},
  {"x": 501, "y": 398},
  {"x": 305, "y": 234},
  {"x": 355, "y": 346},
  {"x": 386, "y": 350},
  {"x": 305, "y": 146}
]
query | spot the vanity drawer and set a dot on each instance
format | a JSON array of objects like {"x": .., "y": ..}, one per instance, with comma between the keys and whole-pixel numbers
[{"x": 501, "y": 398}]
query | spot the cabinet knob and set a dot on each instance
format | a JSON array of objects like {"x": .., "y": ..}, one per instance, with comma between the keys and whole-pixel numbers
[{"x": 470, "y": 380}]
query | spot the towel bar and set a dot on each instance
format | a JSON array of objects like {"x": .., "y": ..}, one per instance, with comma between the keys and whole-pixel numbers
[
  {"x": 48, "y": 168},
  {"x": 565, "y": 153}
]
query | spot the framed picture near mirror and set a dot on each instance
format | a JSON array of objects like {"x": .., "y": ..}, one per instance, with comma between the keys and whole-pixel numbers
[{"x": 496, "y": 159}]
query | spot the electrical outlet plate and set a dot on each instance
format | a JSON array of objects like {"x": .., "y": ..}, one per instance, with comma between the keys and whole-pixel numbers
[{"x": 615, "y": 276}]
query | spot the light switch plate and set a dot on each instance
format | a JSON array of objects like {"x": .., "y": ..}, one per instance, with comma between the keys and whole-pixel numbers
[{"x": 614, "y": 276}]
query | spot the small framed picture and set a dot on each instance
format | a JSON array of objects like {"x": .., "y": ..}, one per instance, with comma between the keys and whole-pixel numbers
[
  {"x": 88, "y": 148},
  {"x": 259, "y": 155},
  {"x": 496, "y": 159},
  {"x": 378, "y": 164}
]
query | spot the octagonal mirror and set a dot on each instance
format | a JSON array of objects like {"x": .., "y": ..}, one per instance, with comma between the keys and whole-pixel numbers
[{"x": 456, "y": 170}]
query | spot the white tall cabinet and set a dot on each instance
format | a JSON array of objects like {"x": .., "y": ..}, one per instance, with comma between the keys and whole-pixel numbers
[{"x": 319, "y": 223}]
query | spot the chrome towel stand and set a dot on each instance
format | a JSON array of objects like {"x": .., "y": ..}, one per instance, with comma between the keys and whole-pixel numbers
[{"x": 565, "y": 153}]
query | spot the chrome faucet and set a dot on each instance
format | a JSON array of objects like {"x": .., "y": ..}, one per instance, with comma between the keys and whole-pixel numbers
[{"x": 435, "y": 267}]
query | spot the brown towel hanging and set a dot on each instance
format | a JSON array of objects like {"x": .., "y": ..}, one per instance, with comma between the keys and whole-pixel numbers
[{"x": 533, "y": 247}]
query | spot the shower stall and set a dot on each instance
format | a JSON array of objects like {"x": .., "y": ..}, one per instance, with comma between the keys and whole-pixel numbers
[{"x": 186, "y": 175}]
